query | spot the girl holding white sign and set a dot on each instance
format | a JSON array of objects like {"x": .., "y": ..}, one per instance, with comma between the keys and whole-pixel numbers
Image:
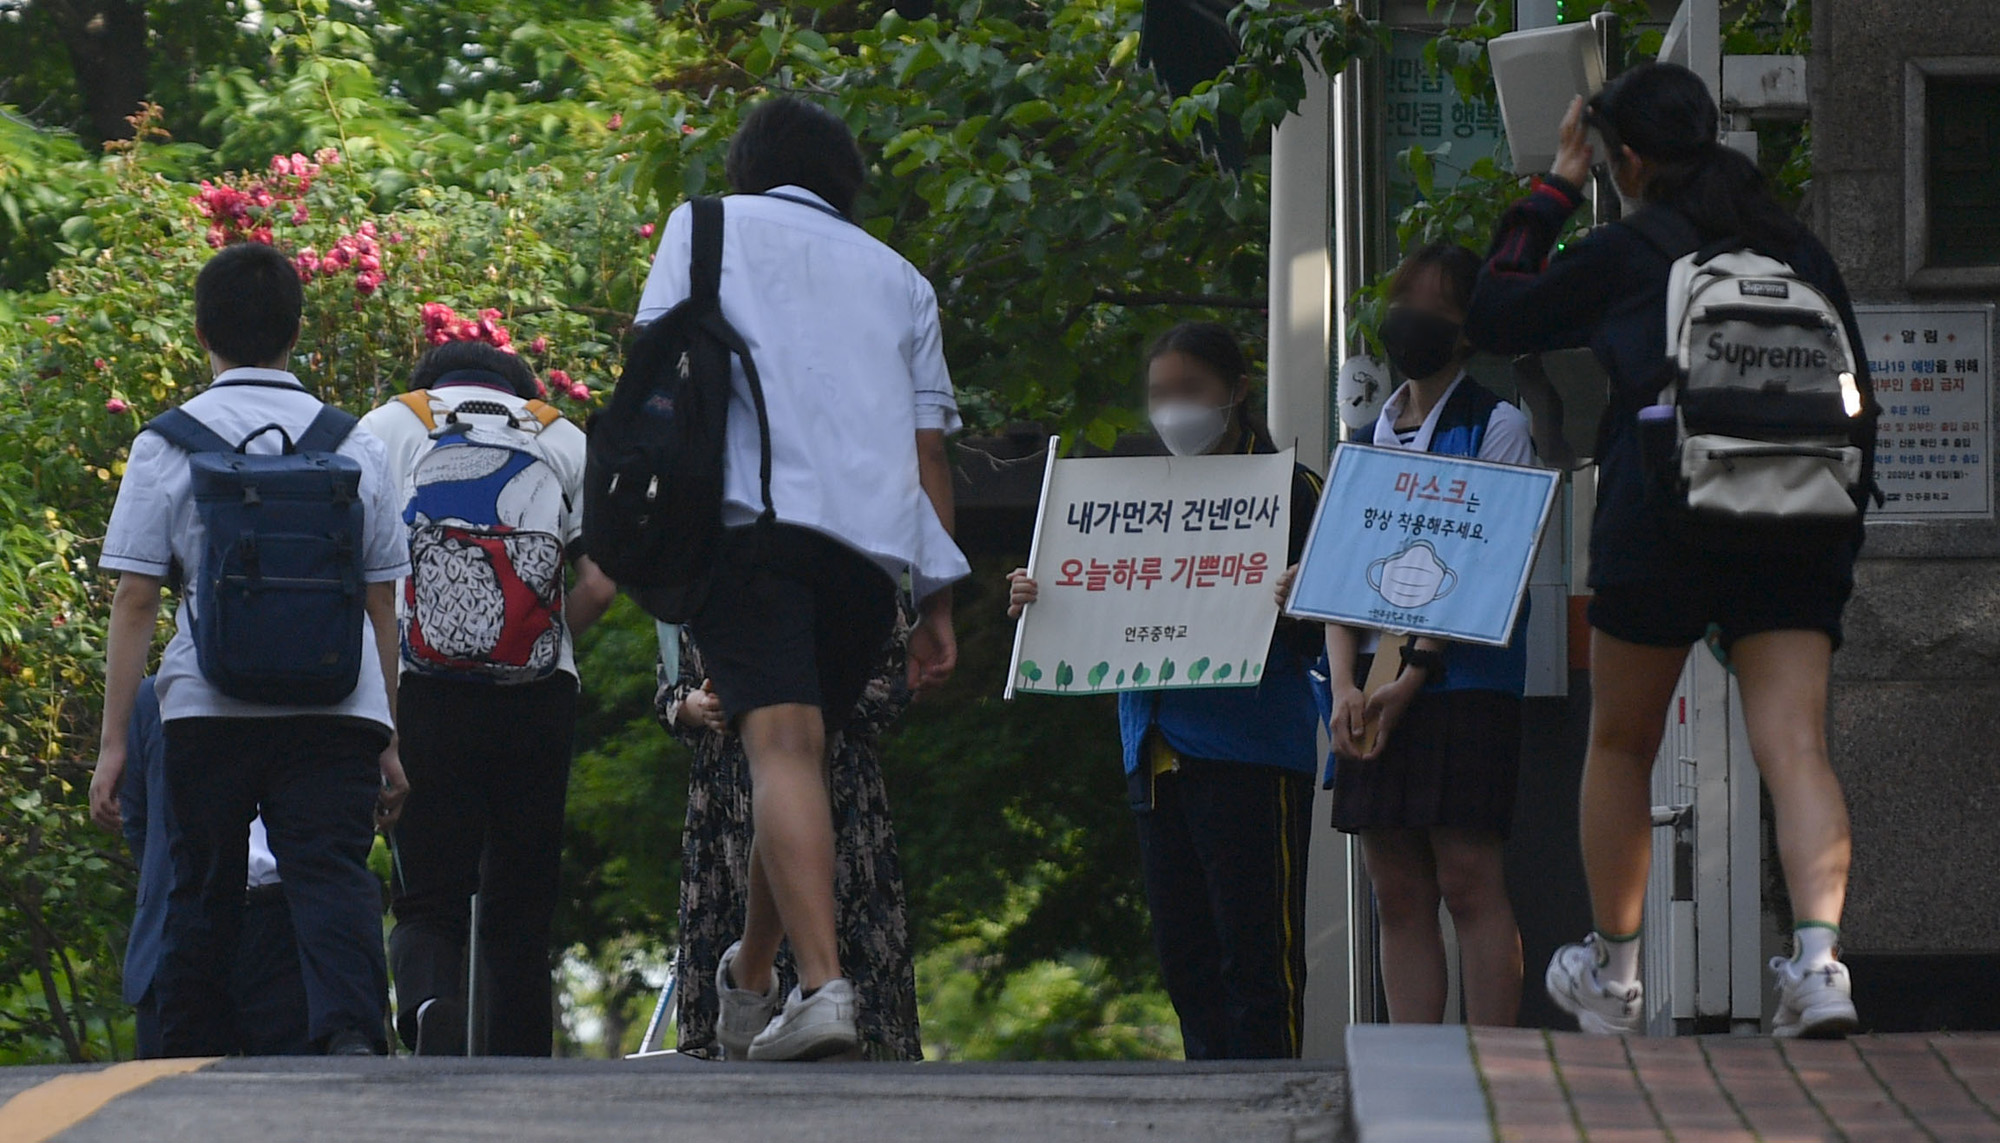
[
  {"x": 1221, "y": 777},
  {"x": 1432, "y": 794}
]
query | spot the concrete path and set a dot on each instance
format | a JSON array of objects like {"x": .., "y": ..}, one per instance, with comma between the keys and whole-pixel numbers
[
  {"x": 1417, "y": 1084},
  {"x": 313, "y": 1100}
]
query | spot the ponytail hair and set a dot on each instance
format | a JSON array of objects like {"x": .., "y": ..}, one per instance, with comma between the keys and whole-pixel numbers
[
  {"x": 1665, "y": 114},
  {"x": 1212, "y": 344}
]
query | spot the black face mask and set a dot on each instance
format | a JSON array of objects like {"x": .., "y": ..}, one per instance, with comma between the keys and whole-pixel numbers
[{"x": 1419, "y": 344}]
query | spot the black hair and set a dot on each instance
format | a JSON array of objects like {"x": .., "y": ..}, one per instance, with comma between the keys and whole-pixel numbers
[
  {"x": 786, "y": 141},
  {"x": 1215, "y": 345},
  {"x": 1666, "y": 115},
  {"x": 474, "y": 358},
  {"x": 1456, "y": 264},
  {"x": 247, "y": 303}
]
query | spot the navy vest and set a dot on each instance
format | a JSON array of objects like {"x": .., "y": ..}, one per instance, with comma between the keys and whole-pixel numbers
[{"x": 1461, "y": 429}]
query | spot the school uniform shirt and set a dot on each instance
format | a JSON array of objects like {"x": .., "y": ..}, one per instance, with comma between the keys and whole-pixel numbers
[
  {"x": 154, "y": 527},
  {"x": 560, "y": 445},
  {"x": 1276, "y": 722},
  {"x": 845, "y": 335},
  {"x": 1608, "y": 291},
  {"x": 1504, "y": 439}
]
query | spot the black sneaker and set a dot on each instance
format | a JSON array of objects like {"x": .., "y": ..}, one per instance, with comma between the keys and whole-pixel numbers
[
  {"x": 350, "y": 1042},
  {"x": 440, "y": 1028}
]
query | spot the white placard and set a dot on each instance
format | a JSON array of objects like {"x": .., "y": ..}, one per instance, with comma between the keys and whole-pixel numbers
[
  {"x": 1931, "y": 366},
  {"x": 1155, "y": 573}
]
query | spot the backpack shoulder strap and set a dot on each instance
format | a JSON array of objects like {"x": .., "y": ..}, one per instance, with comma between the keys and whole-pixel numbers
[
  {"x": 419, "y": 402},
  {"x": 705, "y": 267},
  {"x": 327, "y": 430},
  {"x": 544, "y": 413},
  {"x": 184, "y": 431}
]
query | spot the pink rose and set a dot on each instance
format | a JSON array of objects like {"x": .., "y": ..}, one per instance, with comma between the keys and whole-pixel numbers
[
  {"x": 541, "y": 390},
  {"x": 368, "y": 228},
  {"x": 645, "y": 230},
  {"x": 579, "y": 393},
  {"x": 367, "y": 281},
  {"x": 560, "y": 380},
  {"x": 370, "y": 264},
  {"x": 115, "y": 405},
  {"x": 261, "y": 234},
  {"x": 539, "y": 346},
  {"x": 326, "y": 156},
  {"x": 52, "y": 319},
  {"x": 616, "y": 122},
  {"x": 281, "y": 165},
  {"x": 101, "y": 364},
  {"x": 687, "y": 128}
]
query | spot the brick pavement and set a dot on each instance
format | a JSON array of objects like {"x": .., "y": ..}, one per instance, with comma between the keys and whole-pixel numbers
[{"x": 1565, "y": 1088}]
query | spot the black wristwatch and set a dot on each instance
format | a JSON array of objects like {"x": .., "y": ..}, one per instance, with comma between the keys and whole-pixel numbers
[{"x": 1430, "y": 662}]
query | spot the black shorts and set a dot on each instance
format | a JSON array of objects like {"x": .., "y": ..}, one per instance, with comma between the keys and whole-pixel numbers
[
  {"x": 1743, "y": 595},
  {"x": 793, "y": 616}
]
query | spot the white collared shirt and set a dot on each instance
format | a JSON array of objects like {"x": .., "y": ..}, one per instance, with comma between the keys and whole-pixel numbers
[
  {"x": 154, "y": 525},
  {"x": 845, "y": 335},
  {"x": 1507, "y": 439}
]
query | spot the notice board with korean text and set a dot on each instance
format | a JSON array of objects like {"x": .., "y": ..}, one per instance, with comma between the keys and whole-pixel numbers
[
  {"x": 1421, "y": 544},
  {"x": 1932, "y": 366},
  {"x": 1154, "y": 573}
]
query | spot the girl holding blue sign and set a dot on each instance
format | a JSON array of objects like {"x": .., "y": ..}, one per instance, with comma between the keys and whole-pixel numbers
[
  {"x": 1220, "y": 778},
  {"x": 1657, "y": 590},
  {"x": 1432, "y": 796}
]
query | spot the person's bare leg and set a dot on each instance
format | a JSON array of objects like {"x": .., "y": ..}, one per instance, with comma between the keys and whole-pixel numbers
[
  {"x": 1406, "y": 898},
  {"x": 763, "y": 931},
  {"x": 793, "y": 819},
  {"x": 1631, "y": 686},
  {"x": 1472, "y": 878},
  {"x": 1784, "y": 677}
]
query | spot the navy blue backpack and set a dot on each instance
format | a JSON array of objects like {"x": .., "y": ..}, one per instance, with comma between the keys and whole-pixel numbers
[{"x": 280, "y": 602}]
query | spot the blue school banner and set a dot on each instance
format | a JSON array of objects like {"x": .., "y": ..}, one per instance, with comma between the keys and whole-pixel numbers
[{"x": 1422, "y": 544}]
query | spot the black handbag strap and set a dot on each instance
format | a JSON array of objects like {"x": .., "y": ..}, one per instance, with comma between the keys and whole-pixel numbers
[
  {"x": 705, "y": 282},
  {"x": 705, "y": 266}
]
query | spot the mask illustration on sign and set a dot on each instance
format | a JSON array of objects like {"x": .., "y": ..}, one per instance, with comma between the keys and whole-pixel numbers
[
  {"x": 1361, "y": 391},
  {"x": 1188, "y": 429},
  {"x": 1412, "y": 577},
  {"x": 1419, "y": 344}
]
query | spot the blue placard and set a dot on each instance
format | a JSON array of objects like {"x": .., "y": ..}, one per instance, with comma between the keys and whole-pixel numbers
[{"x": 1423, "y": 544}]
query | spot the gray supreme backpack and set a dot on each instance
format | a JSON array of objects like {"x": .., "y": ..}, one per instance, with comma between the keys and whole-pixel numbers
[{"x": 1772, "y": 428}]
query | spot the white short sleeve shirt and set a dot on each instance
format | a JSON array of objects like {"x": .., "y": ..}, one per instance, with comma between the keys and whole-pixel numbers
[
  {"x": 154, "y": 526},
  {"x": 845, "y": 335}
]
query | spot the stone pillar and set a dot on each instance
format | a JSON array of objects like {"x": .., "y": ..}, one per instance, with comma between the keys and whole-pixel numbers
[{"x": 1916, "y": 696}]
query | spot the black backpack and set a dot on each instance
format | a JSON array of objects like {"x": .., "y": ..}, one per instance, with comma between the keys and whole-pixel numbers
[{"x": 652, "y": 483}]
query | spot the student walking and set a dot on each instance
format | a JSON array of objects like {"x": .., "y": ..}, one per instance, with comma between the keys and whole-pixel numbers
[
  {"x": 1220, "y": 778},
  {"x": 845, "y": 336},
  {"x": 874, "y": 933},
  {"x": 276, "y": 690},
  {"x": 1433, "y": 797},
  {"x": 492, "y": 483},
  {"x": 270, "y": 995},
  {"x": 1659, "y": 579}
]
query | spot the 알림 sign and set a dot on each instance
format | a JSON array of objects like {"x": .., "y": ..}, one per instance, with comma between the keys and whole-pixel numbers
[
  {"x": 1931, "y": 366},
  {"x": 1155, "y": 573},
  {"x": 1421, "y": 544}
]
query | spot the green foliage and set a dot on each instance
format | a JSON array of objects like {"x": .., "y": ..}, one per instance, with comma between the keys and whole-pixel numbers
[{"x": 1069, "y": 1009}]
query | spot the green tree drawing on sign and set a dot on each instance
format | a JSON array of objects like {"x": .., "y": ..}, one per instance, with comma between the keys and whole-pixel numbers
[
  {"x": 1097, "y": 674},
  {"x": 1198, "y": 668}
]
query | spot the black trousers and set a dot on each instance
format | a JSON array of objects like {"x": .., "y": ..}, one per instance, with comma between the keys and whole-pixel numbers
[
  {"x": 489, "y": 771},
  {"x": 269, "y": 989},
  {"x": 1224, "y": 847},
  {"x": 315, "y": 779}
]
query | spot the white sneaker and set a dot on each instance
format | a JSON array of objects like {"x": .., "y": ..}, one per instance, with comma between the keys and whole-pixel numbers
[
  {"x": 1600, "y": 1009},
  {"x": 741, "y": 1013},
  {"x": 811, "y": 1027},
  {"x": 1813, "y": 1005}
]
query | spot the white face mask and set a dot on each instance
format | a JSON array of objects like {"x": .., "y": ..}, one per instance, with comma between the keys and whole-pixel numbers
[{"x": 1188, "y": 429}]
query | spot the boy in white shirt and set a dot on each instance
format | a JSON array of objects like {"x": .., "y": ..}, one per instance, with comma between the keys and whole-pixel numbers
[
  {"x": 845, "y": 335},
  {"x": 326, "y": 774}
]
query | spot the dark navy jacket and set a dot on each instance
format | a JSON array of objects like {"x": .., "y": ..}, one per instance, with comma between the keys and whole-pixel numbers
[
  {"x": 142, "y": 799},
  {"x": 1276, "y": 722},
  {"x": 1608, "y": 291}
]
